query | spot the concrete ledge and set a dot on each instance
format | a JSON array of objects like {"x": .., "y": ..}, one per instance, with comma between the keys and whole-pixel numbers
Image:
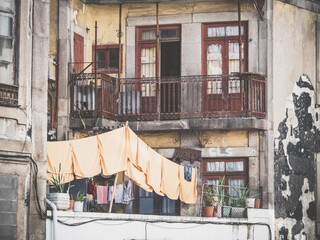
[
  {"x": 264, "y": 213},
  {"x": 214, "y": 123}
]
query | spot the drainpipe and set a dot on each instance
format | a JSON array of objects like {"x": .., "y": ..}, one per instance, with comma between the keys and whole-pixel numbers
[
  {"x": 158, "y": 62},
  {"x": 54, "y": 219}
]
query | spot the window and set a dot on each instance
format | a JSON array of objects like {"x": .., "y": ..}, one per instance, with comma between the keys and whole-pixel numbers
[
  {"x": 220, "y": 42},
  {"x": 107, "y": 58},
  {"x": 7, "y": 12},
  {"x": 234, "y": 170},
  {"x": 152, "y": 203}
]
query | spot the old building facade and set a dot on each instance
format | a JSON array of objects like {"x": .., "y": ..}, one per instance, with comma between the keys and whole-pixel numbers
[
  {"x": 218, "y": 77},
  {"x": 24, "y": 49}
]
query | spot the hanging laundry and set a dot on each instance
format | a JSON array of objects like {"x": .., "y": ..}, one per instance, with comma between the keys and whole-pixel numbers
[
  {"x": 154, "y": 171},
  {"x": 188, "y": 173},
  {"x": 59, "y": 155},
  {"x": 170, "y": 178},
  {"x": 86, "y": 163},
  {"x": 113, "y": 151},
  {"x": 110, "y": 191},
  {"x": 138, "y": 177},
  {"x": 91, "y": 189},
  {"x": 102, "y": 195},
  {"x": 127, "y": 192},
  {"x": 118, "y": 194},
  {"x": 188, "y": 190}
]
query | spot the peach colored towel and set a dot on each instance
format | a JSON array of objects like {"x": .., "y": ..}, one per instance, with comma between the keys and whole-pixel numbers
[
  {"x": 133, "y": 147},
  {"x": 86, "y": 157},
  {"x": 102, "y": 195},
  {"x": 170, "y": 179},
  {"x": 188, "y": 190},
  {"x": 138, "y": 177},
  {"x": 59, "y": 153},
  {"x": 137, "y": 151},
  {"x": 154, "y": 170},
  {"x": 113, "y": 151}
]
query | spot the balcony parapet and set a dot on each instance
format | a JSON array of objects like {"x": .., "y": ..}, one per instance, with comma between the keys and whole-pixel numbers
[{"x": 168, "y": 98}]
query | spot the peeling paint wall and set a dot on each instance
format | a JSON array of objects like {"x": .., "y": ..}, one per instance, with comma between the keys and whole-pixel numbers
[{"x": 295, "y": 169}]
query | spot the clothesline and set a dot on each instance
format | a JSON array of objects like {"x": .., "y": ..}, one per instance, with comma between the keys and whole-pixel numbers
[{"x": 117, "y": 151}]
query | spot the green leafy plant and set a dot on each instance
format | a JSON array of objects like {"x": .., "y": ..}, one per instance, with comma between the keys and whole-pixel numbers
[
  {"x": 242, "y": 194},
  {"x": 220, "y": 192},
  {"x": 208, "y": 195},
  {"x": 57, "y": 180},
  {"x": 80, "y": 197}
]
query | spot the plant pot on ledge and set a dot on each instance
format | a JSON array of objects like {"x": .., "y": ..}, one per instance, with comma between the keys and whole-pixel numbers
[
  {"x": 208, "y": 199},
  {"x": 61, "y": 200},
  {"x": 78, "y": 203}
]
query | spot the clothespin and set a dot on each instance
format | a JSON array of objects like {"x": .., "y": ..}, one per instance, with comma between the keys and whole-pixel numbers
[{"x": 127, "y": 124}]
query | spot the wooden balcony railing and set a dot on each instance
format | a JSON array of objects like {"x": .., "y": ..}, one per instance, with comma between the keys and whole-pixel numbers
[
  {"x": 237, "y": 95},
  {"x": 9, "y": 95}
]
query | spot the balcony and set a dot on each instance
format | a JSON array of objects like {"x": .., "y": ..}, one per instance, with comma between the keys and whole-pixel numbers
[
  {"x": 169, "y": 98},
  {"x": 8, "y": 95}
]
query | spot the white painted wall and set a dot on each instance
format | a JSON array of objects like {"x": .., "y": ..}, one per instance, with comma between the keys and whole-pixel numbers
[{"x": 123, "y": 226}]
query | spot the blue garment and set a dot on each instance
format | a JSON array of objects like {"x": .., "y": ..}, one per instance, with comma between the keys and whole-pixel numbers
[{"x": 188, "y": 173}]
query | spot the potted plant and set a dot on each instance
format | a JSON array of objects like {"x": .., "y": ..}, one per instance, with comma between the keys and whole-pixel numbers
[
  {"x": 220, "y": 198},
  {"x": 208, "y": 199},
  {"x": 61, "y": 195},
  {"x": 238, "y": 210},
  {"x": 78, "y": 204}
]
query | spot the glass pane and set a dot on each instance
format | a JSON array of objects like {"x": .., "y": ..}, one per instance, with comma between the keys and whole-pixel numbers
[
  {"x": 168, "y": 206},
  {"x": 234, "y": 30},
  {"x": 148, "y": 34},
  {"x": 101, "y": 59},
  {"x": 235, "y": 187},
  {"x": 234, "y": 166},
  {"x": 214, "y": 59},
  {"x": 234, "y": 85},
  {"x": 146, "y": 206},
  {"x": 114, "y": 59},
  {"x": 216, "y": 31},
  {"x": 145, "y": 194},
  {"x": 215, "y": 167},
  {"x": 148, "y": 69},
  {"x": 7, "y": 6},
  {"x": 5, "y": 26},
  {"x": 6, "y": 73},
  {"x": 168, "y": 33}
]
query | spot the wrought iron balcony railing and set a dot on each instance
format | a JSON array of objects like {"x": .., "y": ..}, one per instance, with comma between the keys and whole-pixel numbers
[{"x": 236, "y": 95}]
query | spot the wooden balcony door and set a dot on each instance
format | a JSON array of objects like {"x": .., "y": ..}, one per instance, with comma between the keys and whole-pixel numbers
[
  {"x": 221, "y": 58},
  {"x": 147, "y": 74},
  {"x": 78, "y": 50},
  {"x": 170, "y": 67},
  {"x": 150, "y": 88}
]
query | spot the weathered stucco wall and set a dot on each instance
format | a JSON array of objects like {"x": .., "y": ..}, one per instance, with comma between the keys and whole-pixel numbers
[
  {"x": 54, "y": 28},
  {"x": 294, "y": 53},
  {"x": 295, "y": 168}
]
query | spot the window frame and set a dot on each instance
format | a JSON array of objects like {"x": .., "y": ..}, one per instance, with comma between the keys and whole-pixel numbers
[
  {"x": 223, "y": 40},
  {"x": 107, "y": 48},
  {"x": 157, "y": 203},
  {"x": 228, "y": 174},
  {"x": 15, "y": 47}
]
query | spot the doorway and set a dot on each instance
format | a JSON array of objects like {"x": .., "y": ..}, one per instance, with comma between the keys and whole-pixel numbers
[{"x": 170, "y": 73}]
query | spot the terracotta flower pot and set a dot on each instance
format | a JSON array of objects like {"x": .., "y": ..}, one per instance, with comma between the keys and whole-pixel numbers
[
  {"x": 208, "y": 211},
  {"x": 71, "y": 205}
]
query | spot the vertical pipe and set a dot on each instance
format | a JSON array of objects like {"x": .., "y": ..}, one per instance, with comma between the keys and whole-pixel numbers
[
  {"x": 240, "y": 43},
  {"x": 158, "y": 62},
  {"x": 95, "y": 71},
  {"x": 120, "y": 35},
  {"x": 120, "y": 56}
]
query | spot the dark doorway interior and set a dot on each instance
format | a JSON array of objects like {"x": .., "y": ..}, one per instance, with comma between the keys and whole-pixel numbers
[{"x": 170, "y": 67}]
